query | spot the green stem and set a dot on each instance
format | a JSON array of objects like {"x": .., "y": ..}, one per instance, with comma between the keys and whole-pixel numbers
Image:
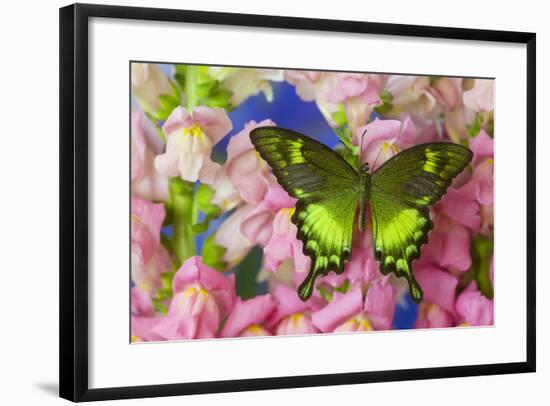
[
  {"x": 195, "y": 211},
  {"x": 191, "y": 75},
  {"x": 183, "y": 239}
]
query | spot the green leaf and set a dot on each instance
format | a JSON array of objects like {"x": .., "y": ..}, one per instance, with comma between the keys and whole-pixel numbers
[
  {"x": 482, "y": 253},
  {"x": 491, "y": 129},
  {"x": 246, "y": 273},
  {"x": 203, "y": 196},
  {"x": 163, "y": 294},
  {"x": 343, "y": 288},
  {"x": 474, "y": 128},
  {"x": 339, "y": 118},
  {"x": 166, "y": 279},
  {"x": 201, "y": 88},
  {"x": 203, "y": 202},
  {"x": 325, "y": 293},
  {"x": 160, "y": 307},
  {"x": 386, "y": 98},
  {"x": 166, "y": 291},
  {"x": 168, "y": 102},
  {"x": 219, "y": 97},
  {"x": 179, "y": 76},
  {"x": 344, "y": 134},
  {"x": 212, "y": 254}
]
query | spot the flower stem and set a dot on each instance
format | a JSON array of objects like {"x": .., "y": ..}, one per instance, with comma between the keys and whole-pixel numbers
[
  {"x": 183, "y": 239},
  {"x": 190, "y": 87}
]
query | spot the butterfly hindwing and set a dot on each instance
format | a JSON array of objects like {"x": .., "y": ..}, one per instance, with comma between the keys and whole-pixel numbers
[
  {"x": 401, "y": 191},
  {"x": 326, "y": 188}
]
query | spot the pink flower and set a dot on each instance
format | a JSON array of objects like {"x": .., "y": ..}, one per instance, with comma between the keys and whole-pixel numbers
[
  {"x": 190, "y": 138},
  {"x": 146, "y": 181},
  {"x": 148, "y": 83},
  {"x": 304, "y": 82},
  {"x": 411, "y": 96},
  {"x": 448, "y": 91},
  {"x": 347, "y": 312},
  {"x": 202, "y": 298},
  {"x": 314, "y": 86},
  {"x": 380, "y": 303},
  {"x": 482, "y": 146},
  {"x": 481, "y": 185},
  {"x": 257, "y": 225},
  {"x": 297, "y": 323},
  {"x": 383, "y": 139},
  {"x": 340, "y": 312},
  {"x": 284, "y": 244},
  {"x": 143, "y": 328},
  {"x": 439, "y": 286},
  {"x": 461, "y": 207},
  {"x": 359, "y": 93},
  {"x": 362, "y": 267},
  {"x": 364, "y": 86},
  {"x": 481, "y": 96},
  {"x": 248, "y": 172},
  {"x": 230, "y": 237},
  {"x": 246, "y": 82},
  {"x": 456, "y": 122},
  {"x": 141, "y": 302},
  {"x": 143, "y": 317},
  {"x": 448, "y": 246},
  {"x": 247, "y": 317},
  {"x": 433, "y": 316},
  {"x": 355, "y": 324},
  {"x": 291, "y": 316},
  {"x": 149, "y": 258},
  {"x": 474, "y": 309},
  {"x": 226, "y": 196}
]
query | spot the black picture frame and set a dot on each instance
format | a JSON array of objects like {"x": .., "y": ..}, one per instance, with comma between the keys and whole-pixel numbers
[{"x": 73, "y": 279}]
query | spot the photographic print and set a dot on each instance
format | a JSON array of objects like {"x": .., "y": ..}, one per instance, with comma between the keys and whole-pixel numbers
[{"x": 268, "y": 201}]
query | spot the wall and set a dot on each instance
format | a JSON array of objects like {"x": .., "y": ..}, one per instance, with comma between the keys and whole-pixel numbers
[{"x": 28, "y": 166}]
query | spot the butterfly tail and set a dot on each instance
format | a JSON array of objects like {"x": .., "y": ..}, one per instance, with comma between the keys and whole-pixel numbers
[
  {"x": 306, "y": 287},
  {"x": 415, "y": 290}
]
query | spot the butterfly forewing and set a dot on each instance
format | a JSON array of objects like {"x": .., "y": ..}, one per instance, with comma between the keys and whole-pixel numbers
[
  {"x": 401, "y": 191},
  {"x": 326, "y": 188}
]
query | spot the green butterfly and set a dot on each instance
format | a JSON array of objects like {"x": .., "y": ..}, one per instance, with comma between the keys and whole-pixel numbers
[{"x": 330, "y": 189}]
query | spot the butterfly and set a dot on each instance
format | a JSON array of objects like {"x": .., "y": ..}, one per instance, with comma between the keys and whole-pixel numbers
[{"x": 333, "y": 193}]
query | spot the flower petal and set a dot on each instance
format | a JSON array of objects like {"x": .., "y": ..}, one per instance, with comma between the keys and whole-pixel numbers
[
  {"x": 214, "y": 121},
  {"x": 339, "y": 310},
  {"x": 246, "y": 313}
]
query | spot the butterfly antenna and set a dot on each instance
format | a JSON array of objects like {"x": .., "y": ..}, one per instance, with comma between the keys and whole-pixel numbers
[
  {"x": 361, "y": 147},
  {"x": 377, "y": 156}
]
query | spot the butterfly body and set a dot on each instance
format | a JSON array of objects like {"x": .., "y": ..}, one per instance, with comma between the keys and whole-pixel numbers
[
  {"x": 364, "y": 192},
  {"x": 334, "y": 195}
]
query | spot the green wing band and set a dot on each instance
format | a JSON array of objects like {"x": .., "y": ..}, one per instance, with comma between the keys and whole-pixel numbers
[
  {"x": 326, "y": 188},
  {"x": 401, "y": 191}
]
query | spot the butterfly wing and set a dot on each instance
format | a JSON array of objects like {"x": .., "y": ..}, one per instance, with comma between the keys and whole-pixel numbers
[
  {"x": 401, "y": 191},
  {"x": 326, "y": 188}
]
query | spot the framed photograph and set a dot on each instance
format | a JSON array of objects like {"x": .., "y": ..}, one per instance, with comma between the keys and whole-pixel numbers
[{"x": 330, "y": 204}]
